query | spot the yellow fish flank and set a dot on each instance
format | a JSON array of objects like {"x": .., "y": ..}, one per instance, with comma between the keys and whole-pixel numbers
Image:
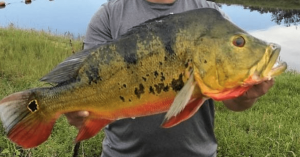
[{"x": 170, "y": 64}]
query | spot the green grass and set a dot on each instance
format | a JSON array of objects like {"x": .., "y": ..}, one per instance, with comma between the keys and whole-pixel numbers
[
  {"x": 25, "y": 56},
  {"x": 270, "y": 128}
]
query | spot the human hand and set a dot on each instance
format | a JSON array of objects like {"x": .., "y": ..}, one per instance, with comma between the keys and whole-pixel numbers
[
  {"x": 77, "y": 118},
  {"x": 258, "y": 90},
  {"x": 247, "y": 100}
]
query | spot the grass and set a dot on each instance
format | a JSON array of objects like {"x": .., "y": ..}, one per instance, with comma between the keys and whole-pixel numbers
[
  {"x": 270, "y": 128},
  {"x": 25, "y": 56}
]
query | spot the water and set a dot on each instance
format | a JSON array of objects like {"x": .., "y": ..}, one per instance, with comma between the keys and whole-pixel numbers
[
  {"x": 58, "y": 16},
  {"x": 65, "y": 16}
]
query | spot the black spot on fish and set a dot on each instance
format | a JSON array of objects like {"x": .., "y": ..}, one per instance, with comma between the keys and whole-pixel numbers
[
  {"x": 177, "y": 84},
  {"x": 162, "y": 77},
  {"x": 205, "y": 61},
  {"x": 186, "y": 64},
  {"x": 32, "y": 106},
  {"x": 147, "y": 75},
  {"x": 124, "y": 85},
  {"x": 166, "y": 58},
  {"x": 144, "y": 78},
  {"x": 122, "y": 98},
  {"x": 91, "y": 79},
  {"x": 155, "y": 74},
  {"x": 159, "y": 87},
  {"x": 151, "y": 90},
  {"x": 129, "y": 100},
  {"x": 139, "y": 91},
  {"x": 92, "y": 74},
  {"x": 166, "y": 88}
]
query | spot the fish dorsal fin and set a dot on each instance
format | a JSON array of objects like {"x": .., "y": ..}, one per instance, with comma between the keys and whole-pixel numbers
[
  {"x": 67, "y": 69},
  {"x": 182, "y": 98}
]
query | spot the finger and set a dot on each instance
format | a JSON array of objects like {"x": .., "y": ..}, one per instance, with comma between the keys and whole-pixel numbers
[
  {"x": 77, "y": 114},
  {"x": 83, "y": 114},
  {"x": 77, "y": 118},
  {"x": 264, "y": 87},
  {"x": 259, "y": 89}
]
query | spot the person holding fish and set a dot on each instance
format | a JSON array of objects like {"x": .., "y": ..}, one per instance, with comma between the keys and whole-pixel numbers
[
  {"x": 143, "y": 58},
  {"x": 144, "y": 136},
  {"x": 131, "y": 72}
]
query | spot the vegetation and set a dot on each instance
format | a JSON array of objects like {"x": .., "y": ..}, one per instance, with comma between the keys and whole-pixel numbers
[
  {"x": 270, "y": 128},
  {"x": 287, "y": 13},
  {"x": 26, "y": 56},
  {"x": 282, "y": 4}
]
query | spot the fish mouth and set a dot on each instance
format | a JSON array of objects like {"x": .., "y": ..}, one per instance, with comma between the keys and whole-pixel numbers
[
  {"x": 274, "y": 67},
  {"x": 269, "y": 66}
]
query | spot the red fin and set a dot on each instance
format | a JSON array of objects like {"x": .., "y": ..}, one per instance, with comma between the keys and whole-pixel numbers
[
  {"x": 229, "y": 94},
  {"x": 24, "y": 122},
  {"x": 190, "y": 109},
  {"x": 30, "y": 132},
  {"x": 91, "y": 128}
]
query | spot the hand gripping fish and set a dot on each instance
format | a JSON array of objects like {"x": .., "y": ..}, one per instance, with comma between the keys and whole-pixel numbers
[{"x": 169, "y": 64}]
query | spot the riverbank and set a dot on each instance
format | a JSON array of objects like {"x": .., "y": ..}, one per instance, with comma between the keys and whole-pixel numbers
[
  {"x": 270, "y": 128},
  {"x": 261, "y": 4}
]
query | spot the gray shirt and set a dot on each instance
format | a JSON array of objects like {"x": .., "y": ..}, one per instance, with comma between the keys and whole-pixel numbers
[{"x": 143, "y": 137}]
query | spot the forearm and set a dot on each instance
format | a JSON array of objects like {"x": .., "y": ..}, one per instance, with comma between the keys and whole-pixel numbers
[{"x": 239, "y": 104}]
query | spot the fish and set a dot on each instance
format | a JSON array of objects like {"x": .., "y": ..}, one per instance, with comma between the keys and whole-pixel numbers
[{"x": 170, "y": 64}]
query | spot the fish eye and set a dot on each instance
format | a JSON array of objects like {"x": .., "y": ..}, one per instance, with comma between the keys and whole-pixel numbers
[{"x": 239, "y": 41}]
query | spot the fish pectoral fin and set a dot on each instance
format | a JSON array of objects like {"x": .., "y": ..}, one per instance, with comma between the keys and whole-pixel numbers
[
  {"x": 90, "y": 128},
  {"x": 190, "y": 109},
  {"x": 180, "y": 107}
]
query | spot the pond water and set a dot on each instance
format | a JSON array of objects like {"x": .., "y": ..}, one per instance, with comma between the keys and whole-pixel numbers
[{"x": 72, "y": 17}]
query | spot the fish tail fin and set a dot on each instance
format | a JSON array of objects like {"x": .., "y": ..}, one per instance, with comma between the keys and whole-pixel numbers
[
  {"x": 23, "y": 121},
  {"x": 91, "y": 127}
]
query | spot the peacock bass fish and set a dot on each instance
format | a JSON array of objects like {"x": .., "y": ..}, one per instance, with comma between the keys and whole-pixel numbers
[{"x": 169, "y": 64}]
